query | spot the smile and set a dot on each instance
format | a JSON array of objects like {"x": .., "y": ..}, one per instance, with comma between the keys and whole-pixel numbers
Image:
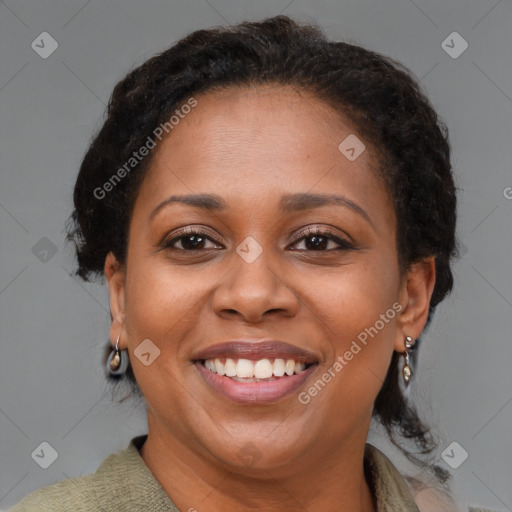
[
  {"x": 255, "y": 371},
  {"x": 254, "y": 381},
  {"x": 246, "y": 370}
]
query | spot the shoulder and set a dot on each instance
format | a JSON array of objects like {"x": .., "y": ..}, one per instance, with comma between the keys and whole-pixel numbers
[
  {"x": 72, "y": 494},
  {"x": 436, "y": 499},
  {"x": 430, "y": 498},
  {"x": 121, "y": 482},
  {"x": 81, "y": 494},
  {"x": 394, "y": 489}
]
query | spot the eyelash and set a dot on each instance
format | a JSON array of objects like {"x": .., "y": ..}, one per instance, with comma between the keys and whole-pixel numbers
[{"x": 344, "y": 245}]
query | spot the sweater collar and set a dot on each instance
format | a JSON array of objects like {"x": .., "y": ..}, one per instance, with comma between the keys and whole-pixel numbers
[
  {"x": 387, "y": 485},
  {"x": 139, "y": 489}
]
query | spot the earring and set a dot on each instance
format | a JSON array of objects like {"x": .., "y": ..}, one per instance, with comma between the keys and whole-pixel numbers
[
  {"x": 117, "y": 362},
  {"x": 406, "y": 370}
]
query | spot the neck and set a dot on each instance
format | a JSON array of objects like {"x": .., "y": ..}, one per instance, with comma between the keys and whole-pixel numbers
[{"x": 331, "y": 481}]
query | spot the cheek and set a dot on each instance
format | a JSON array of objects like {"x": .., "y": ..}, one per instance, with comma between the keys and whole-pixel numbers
[
  {"x": 161, "y": 305},
  {"x": 357, "y": 306},
  {"x": 354, "y": 297}
]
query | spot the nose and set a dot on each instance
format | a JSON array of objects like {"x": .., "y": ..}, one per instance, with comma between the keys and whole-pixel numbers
[{"x": 253, "y": 290}]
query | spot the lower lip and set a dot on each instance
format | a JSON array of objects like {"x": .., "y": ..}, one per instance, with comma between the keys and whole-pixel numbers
[{"x": 254, "y": 392}]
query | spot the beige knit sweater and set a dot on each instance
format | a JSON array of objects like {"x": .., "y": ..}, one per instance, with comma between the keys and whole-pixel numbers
[{"x": 123, "y": 482}]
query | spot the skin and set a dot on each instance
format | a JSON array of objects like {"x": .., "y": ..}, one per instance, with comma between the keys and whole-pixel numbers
[{"x": 250, "y": 146}]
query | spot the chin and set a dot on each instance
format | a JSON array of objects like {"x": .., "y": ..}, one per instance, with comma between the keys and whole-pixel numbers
[{"x": 252, "y": 455}]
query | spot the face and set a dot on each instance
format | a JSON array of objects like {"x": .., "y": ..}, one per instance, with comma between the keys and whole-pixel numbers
[{"x": 320, "y": 276}]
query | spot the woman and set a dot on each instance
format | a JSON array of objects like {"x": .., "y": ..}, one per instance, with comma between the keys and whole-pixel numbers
[{"x": 275, "y": 215}]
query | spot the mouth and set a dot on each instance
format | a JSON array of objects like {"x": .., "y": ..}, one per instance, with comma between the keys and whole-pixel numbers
[{"x": 262, "y": 372}]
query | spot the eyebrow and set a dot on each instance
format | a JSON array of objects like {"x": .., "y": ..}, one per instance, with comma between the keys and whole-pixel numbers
[
  {"x": 209, "y": 202},
  {"x": 297, "y": 202},
  {"x": 289, "y": 203}
]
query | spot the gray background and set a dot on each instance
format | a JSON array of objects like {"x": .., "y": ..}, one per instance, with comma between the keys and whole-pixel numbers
[{"x": 53, "y": 326}]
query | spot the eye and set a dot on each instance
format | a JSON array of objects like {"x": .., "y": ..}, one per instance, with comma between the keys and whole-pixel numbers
[
  {"x": 320, "y": 239},
  {"x": 190, "y": 240},
  {"x": 195, "y": 240}
]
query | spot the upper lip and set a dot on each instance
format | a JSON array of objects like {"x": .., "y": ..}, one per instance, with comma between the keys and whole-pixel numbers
[{"x": 257, "y": 349}]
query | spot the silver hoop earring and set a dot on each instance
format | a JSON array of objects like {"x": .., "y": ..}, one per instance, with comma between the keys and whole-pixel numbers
[
  {"x": 117, "y": 362},
  {"x": 406, "y": 370}
]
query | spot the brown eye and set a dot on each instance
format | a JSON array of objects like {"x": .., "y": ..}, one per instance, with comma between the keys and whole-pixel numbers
[
  {"x": 318, "y": 240},
  {"x": 190, "y": 241}
]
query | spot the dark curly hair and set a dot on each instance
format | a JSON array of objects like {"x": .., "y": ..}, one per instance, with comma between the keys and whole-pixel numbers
[{"x": 378, "y": 94}]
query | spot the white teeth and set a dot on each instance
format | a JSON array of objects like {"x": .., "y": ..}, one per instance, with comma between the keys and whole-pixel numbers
[
  {"x": 230, "y": 368},
  {"x": 254, "y": 379},
  {"x": 247, "y": 370},
  {"x": 279, "y": 367},
  {"x": 210, "y": 365},
  {"x": 263, "y": 369},
  {"x": 219, "y": 366},
  {"x": 299, "y": 367}
]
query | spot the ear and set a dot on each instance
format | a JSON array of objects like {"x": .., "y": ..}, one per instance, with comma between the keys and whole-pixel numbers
[
  {"x": 415, "y": 294},
  {"x": 115, "y": 274}
]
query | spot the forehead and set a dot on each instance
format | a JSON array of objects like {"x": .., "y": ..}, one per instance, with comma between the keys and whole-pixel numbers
[
  {"x": 272, "y": 122},
  {"x": 257, "y": 142}
]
